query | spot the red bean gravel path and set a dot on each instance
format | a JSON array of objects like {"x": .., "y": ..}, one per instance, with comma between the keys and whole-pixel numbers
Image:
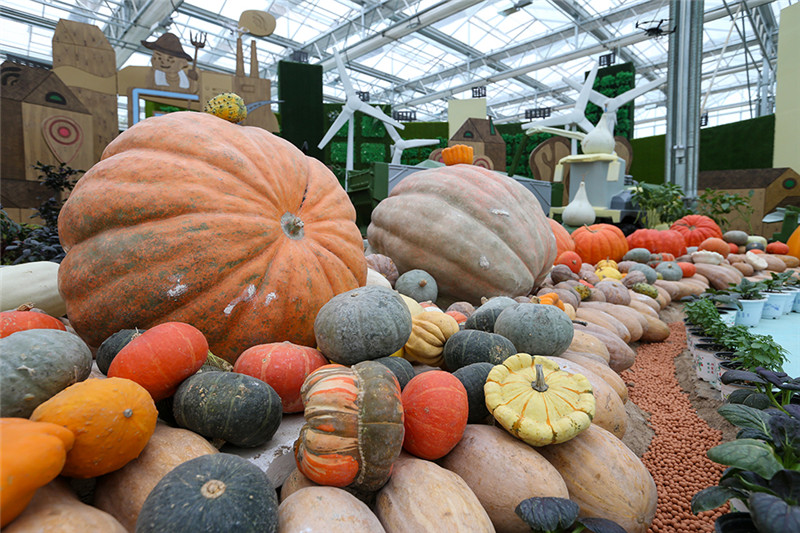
[{"x": 676, "y": 457}]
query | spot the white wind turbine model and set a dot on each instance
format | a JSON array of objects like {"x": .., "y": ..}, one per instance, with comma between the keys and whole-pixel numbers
[
  {"x": 610, "y": 105},
  {"x": 401, "y": 144},
  {"x": 352, "y": 104},
  {"x": 577, "y": 115}
]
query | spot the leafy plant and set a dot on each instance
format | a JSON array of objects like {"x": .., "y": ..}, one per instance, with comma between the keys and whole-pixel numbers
[
  {"x": 718, "y": 204},
  {"x": 24, "y": 243},
  {"x": 659, "y": 204},
  {"x": 747, "y": 290},
  {"x": 754, "y": 351},
  {"x": 560, "y": 515},
  {"x": 763, "y": 461}
]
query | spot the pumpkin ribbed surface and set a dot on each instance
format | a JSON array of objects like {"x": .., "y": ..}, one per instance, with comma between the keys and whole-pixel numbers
[
  {"x": 564, "y": 242},
  {"x": 190, "y": 218},
  {"x": 658, "y": 241},
  {"x": 599, "y": 241},
  {"x": 696, "y": 228},
  {"x": 505, "y": 245}
]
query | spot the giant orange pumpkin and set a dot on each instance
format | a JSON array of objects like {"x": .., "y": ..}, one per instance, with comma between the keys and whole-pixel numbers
[
  {"x": 599, "y": 241},
  {"x": 794, "y": 243},
  {"x": 564, "y": 242},
  {"x": 696, "y": 228},
  {"x": 477, "y": 232},
  {"x": 189, "y": 218},
  {"x": 658, "y": 241}
]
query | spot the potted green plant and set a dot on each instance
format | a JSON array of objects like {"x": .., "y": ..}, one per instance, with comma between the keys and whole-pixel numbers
[
  {"x": 659, "y": 205},
  {"x": 752, "y": 300},
  {"x": 777, "y": 298}
]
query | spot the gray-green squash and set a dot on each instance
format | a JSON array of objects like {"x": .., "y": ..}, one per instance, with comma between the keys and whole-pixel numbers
[
  {"x": 484, "y": 316},
  {"x": 362, "y": 324},
  {"x": 476, "y": 346},
  {"x": 237, "y": 408},
  {"x": 417, "y": 284},
  {"x": 536, "y": 329},
  {"x": 473, "y": 377},
  {"x": 36, "y": 364}
]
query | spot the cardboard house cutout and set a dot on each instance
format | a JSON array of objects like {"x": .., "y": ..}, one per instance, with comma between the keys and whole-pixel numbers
[{"x": 481, "y": 134}]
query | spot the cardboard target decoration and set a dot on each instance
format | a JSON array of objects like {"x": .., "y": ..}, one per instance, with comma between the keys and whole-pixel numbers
[{"x": 63, "y": 136}]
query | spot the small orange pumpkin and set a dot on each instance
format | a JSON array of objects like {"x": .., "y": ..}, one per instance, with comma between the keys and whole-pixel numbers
[
  {"x": 734, "y": 247},
  {"x": 458, "y": 153},
  {"x": 572, "y": 260},
  {"x": 436, "y": 411},
  {"x": 564, "y": 242},
  {"x": 32, "y": 454},
  {"x": 112, "y": 420},
  {"x": 794, "y": 243},
  {"x": 778, "y": 247},
  {"x": 600, "y": 241},
  {"x": 714, "y": 244},
  {"x": 13, "y": 321},
  {"x": 688, "y": 269}
]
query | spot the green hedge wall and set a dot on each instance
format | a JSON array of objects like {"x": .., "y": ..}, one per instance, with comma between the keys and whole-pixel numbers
[{"x": 744, "y": 144}]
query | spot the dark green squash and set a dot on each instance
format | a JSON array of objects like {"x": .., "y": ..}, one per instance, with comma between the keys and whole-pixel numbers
[
  {"x": 476, "y": 346},
  {"x": 110, "y": 347},
  {"x": 536, "y": 329},
  {"x": 239, "y": 409},
  {"x": 484, "y": 316},
  {"x": 417, "y": 284},
  {"x": 402, "y": 369},
  {"x": 218, "y": 492},
  {"x": 36, "y": 364},
  {"x": 473, "y": 377},
  {"x": 362, "y": 324}
]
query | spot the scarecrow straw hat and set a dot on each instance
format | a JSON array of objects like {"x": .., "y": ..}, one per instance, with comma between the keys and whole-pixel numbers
[{"x": 168, "y": 44}]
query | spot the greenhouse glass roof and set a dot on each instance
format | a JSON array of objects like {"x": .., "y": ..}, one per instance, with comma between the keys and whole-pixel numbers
[{"x": 418, "y": 54}]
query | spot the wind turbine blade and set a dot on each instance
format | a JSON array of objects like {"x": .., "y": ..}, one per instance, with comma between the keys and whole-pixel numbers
[
  {"x": 583, "y": 97},
  {"x": 343, "y": 117},
  {"x": 585, "y": 125},
  {"x": 598, "y": 99},
  {"x": 392, "y": 131},
  {"x": 557, "y": 131},
  {"x": 417, "y": 143},
  {"x": 397, "y": 154},
  {"x": 377, "y": 113},
  {"x": 348, "y": 87},
  {"x": 619, "y": 101},
  {"x": 554, "y": 120}
]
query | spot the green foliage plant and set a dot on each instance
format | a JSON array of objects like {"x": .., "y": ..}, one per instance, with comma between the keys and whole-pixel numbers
[
  {"x": 659, "y": 204},
  {"x": 717, "y": 205}
]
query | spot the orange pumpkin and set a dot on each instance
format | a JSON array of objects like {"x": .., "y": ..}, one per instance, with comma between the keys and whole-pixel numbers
[
  {"x": 32, "y": 454},
  {"x": 600, "y": 241},
  {"x": 112, "y": 420},
  {"x": 354, "y": 426},
  {"x": 794, "y": 243},
  {"x": 13, "y": 321},
  {"x": 458, "y": 154},
  {"x": 777, "y": 247},
  {"x": 551, "y": 298},
  {"x": 284, "y": 367},
  {"x": 228, "y": 228},
  {"x": 564, "y": 242},
  {"x": 734, "y": 247},
  {"x": 696, "y": 228},
  {"x": 572, "y": 260},
  {"x": 658, "y": 241},
  {"x": 459, "y": 317},
  {"x": 688, "y": 269},
  {"x": 714, "y": 244},
  {"x": 161, "y": 358},
  {"x": 436, "y": 411}
]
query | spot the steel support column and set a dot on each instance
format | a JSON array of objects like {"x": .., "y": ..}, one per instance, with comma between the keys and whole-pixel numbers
[{"x": 683, "y": 94}]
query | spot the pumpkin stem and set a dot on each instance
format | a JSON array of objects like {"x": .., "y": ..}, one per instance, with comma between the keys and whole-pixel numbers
[
  {"x": 292, "y": 226},
  {"x": 213, "y": 489},
  {"x": 540, "y": 385},
  {"x": 422, "y": 283}
]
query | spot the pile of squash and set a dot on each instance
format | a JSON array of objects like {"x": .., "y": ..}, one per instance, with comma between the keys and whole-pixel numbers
[{"x": 215, "y": 282}]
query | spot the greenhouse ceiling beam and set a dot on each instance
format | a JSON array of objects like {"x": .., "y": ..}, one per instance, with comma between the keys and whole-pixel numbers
[
  {"x": 622, "y": 41},
  {"x": 709, "y": 53},
  {"x": 139, "y": 18},
  {"x": 578, "y": 14},
  {"x": 521, "y": 47}
]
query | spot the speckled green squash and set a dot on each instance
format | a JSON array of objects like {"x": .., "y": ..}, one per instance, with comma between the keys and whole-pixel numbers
[
  {"x": 484, "y": 316},
  {"x": 475, "y": 346},
  {"x": 236, "y": 408},
  {"x": 473, "y": 377},
  {"x": 219, "y": 492},
  {"x": 36, "y": 364},
  {"x": 536, "y": 329},
  {"x": 402, "y": 369}
]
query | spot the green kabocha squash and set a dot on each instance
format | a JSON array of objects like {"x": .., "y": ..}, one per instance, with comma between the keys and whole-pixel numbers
[
  {"x": 36, "y": 364},
  {"x": 484, "y": 316},
  {"x": 189, "y": 218},
  {"x": 669, "y": 270},
  {"x": 402, "y": 369},
  {"x": 649, "y": 272},
  {"x": 640, "y": 255},
  {"x": 473, "y": 377},
  {"x": 417, "y": 284},
  {"x": 475, "y": 346},
  {"x": 362, "y": 324},
  {"x": 112, "y": 345},
  {"x": 536, "y": 328},
  {"x": 505, "y": 246},
  {"x": 236, "y": 408},
  {"x": 219, "y": 492}
]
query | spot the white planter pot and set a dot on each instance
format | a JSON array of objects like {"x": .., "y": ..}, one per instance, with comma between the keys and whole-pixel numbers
[
  {"x": 796, "y": 307},
  {"x": 776, "y": 301},
  {"x": 750, "y": 313},
  {"x": 789, "y": 303},
  {"x": 728, "y": 318},
  {"x": 707, "y": 365}
]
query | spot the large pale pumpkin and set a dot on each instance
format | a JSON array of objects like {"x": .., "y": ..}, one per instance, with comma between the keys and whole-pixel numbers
[
  {"x": 190, "y": 218},
  {"x": 477, "y": 232}
]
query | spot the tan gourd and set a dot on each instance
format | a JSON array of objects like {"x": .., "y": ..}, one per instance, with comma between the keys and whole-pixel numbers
[
  {"x": 586, "y": 342},
  {"x": 326, "y": 509},
  {"x": 602, "y": 370}
]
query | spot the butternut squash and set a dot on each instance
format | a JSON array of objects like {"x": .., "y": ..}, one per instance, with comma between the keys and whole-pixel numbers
[
  {"x": 605, "y": 478},
  {"x": 630, "y": 318},
  {"x": 609, "y": 411},
  {"x": 423, "y": 496},
  {"x": 295, "y": 482},
  {"x": 643, "y": 308},
  {"x": 621, "y": 356},
  {"x": 672, "y": 288},
  {"x": 502, "y": 471},
  {"x": 595, "y": 316},
  {"x": 646, "y": 300},
  {"x": 328, "y": 509},
  {"x": 663, "y": 295},
  {"x": 583, "y": 341},
  {"x": 656, "y": 330},
  {"x": 719, "y": 276},
  {"x": 602, "y": 370}
]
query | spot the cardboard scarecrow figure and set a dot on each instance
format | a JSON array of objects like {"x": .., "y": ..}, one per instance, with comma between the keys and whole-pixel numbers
[{"x": 169, "y": 65}]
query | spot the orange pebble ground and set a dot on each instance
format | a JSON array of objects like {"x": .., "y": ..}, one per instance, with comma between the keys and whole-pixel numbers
[{"x": 676, "y": 457}]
